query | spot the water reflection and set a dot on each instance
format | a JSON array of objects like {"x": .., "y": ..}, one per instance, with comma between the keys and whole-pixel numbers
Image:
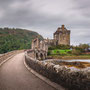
[{"x": 80, "y": 60}]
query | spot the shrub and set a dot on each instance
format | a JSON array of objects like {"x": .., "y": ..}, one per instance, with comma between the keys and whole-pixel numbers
[
  {"x": 59, "y": 47},
  {"x": 48, "y": 53},
  {"x": 76, "y": 52},
  {"x": 69, "y": 52}
]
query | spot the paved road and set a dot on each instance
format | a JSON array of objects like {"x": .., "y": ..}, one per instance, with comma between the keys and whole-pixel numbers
[{"x": 15, "y": 76}]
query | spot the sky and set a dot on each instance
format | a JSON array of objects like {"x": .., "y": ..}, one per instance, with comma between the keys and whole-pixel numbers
[{"x": 45, "y": 16}]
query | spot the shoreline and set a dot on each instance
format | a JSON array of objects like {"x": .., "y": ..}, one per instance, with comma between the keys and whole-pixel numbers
[{"x": 69, "y": 57}]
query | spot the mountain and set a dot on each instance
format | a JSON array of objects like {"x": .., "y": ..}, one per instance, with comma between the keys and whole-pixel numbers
[{"x": 16, "y": 39}]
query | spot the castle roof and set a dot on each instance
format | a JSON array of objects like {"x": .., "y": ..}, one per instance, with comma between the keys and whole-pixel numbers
[{"x": 61, "y": 29}]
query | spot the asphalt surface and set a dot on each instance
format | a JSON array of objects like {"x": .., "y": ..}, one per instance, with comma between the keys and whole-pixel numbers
[{"x": 15, "y": 76}]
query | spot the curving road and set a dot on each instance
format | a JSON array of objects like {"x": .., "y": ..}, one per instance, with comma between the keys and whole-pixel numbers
[{"x": 15, "y": 76}]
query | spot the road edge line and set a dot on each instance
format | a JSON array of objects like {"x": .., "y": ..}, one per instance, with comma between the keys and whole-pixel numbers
[{"x": 6, "y": 60}]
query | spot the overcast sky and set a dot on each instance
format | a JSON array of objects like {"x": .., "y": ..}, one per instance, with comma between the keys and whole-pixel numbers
[{"x": 45, "y": 16}]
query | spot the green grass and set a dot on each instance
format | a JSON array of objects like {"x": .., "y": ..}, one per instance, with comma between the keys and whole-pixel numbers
[
  {"x": 58, "y": 51},
  {"x": 66, "y": 54}
]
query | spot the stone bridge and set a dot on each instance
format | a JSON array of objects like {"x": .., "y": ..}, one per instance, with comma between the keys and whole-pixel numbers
[
  {"x": 39, "y": 49},
  {"x": 37, "y": 54}
]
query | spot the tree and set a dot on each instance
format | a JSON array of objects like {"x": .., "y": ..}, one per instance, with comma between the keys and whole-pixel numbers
[
  {"x": 84, "y": 46},
  {"x": 76, "y": 52}
]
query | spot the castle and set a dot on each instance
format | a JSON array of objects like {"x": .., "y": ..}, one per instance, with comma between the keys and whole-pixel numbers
[{"x": 61, "y": 37}]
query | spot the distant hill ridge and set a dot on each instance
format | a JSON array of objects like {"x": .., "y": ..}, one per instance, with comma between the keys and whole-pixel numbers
[{"x": 15, "y": 39}]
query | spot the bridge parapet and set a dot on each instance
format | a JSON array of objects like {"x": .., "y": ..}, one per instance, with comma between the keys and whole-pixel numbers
[
  {"x": 71, "y": 79},
  {"x": 7, "y": 55}
]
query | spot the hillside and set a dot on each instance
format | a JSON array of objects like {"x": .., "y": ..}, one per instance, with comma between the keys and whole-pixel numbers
[{"x": 15, "y": 39}]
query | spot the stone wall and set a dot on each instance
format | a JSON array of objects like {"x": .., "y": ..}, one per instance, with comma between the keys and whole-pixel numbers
[
  {"x": 73, "y": 80},
  {"x": 31, "y": 53},
  {"x": 62, "y": 35},
  {"x": 64, "y": 38},
  {"x": 9, "y": 54},
  {"x": 37, "y": 54}
]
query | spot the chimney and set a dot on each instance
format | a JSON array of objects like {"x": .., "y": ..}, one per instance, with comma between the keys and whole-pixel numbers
[{"x": 62, "y": 27}]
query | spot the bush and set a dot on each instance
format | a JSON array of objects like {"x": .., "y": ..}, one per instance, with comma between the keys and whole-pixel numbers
[
  {"x": 76, "y": 52},
  {"x": 69, "y": 52},
  {"x": 48, "y": 53},
  {"x": 63, "y": 47}
]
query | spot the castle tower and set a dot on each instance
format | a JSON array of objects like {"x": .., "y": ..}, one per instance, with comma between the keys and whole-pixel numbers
[{"x": 62, "y": 35}]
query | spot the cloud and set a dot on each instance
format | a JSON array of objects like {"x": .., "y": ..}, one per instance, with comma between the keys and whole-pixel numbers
[{"x": 45, "y": 16}]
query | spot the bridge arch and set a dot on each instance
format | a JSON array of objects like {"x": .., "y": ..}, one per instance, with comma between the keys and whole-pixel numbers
[
  {"x": 37, "y": 56},
  {"x": 41, "y": 56}
]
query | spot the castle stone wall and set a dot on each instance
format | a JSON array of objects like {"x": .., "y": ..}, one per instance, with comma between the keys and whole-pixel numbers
[{"x": 62, "y": 35}]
